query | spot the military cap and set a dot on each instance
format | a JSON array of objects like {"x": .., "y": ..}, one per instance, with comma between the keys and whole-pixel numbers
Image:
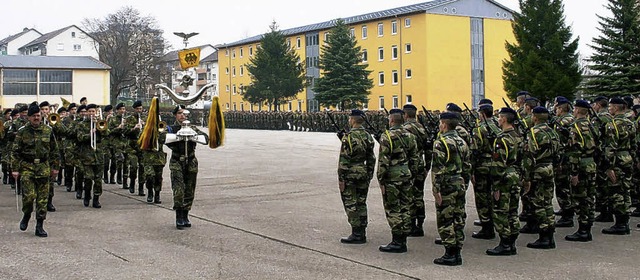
[
  {"x": 119, "y": 105},
  {"x": 599, "y": 98},
  {"x": 33, "y": 110},
  {"x": 83, "y": 99},
  {"x": 137, "y": 104},
  {"x": 356, "y": 113},
  {"x": 531, "y": 99},
  {"x": 628, "y": 100},
  {"x": 108, "y": 108},
  {"x": 522, "y": 93},
  {"x": 409, "y": 107},
  {"x": 7, "y": 111},
  {"x": 92, "y": 106},
  {"x": 396, "y": 111},
  {"x": 486, "y": 106},
  {"x": 178, "y": 108},
  {"x": 15, "y": 112},
  {"x": 82, "y": 107},
  {"x": 617, "y": 100},
  {"x": 582, "y": 104},
  {"x": 540, "y": 110},
  {"x": 454, "y": 108},
  {"x": 44, "y": 104},
  {"x": 636, "y": 107},
  {"x": 23, "y": 108},
  {"x": 448, "y": 116},
  {"x": 61, "y": 110},
  {"x": 506, "y": 110},
  {"x": 485, "y": 101},
  {"x": 562, "y": 100},
  {"x": 72, "y": 105},
  {"x": 34, "y": 103}
]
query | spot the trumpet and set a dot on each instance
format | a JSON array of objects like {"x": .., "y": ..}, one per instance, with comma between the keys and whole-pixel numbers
[{"x": 53, "y": 118}]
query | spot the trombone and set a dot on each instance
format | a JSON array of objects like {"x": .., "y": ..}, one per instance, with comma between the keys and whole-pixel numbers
[{"x": 96, "y": 125}]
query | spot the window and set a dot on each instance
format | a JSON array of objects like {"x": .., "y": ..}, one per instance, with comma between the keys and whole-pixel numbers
[
  {"x": 235, "y": 90},
  {"x": 234, "y": 71},
  {"x": 250, "y": 51},
  {"x": 242, "y": 106},
  {"x": 233, "y": 53},
  {"x": 381, "y": 78},
  {"x": 55, "y": 82},
  {"x": 227, "y": 91},
  {"x": 226, "y": 70},
  {"x": 73, "y": 34},
  {"x": 407, "y": 73},
  {"x": 409, "y": 98},
  {"x": 395, "y": 101},
  {"x": 77, "y": 47},
  {"x": 60, "y": 47},
  {"x": 394, "y": 27},
  {"x": 407, "y": 48},
  {"x": 394, "y": 52},
  {"x": 227, "y": 106},
  {"x": 289, "y": 106},
  {"x": 352, "y": 32},
  {"x": 381, "y": 102},
  {"x": 19, "y": 82},
  {"x": 326, "y": 37},
  {"x": 364, "y": 32},
  {"x": 235, "y": 108},
  {"x": 300, "y": 105},
  {"x": 407, "y": 22},
  {"x": 241, "y": 70},
  {"x": 380, "y": 29},
  {"x": 241, "y": 52},
  {"x": 380, "y": 54},
  {"x": 226, "y": 53},
  {"x": 365, "y": 56},
  {"x": 394, "y": 77},
  {"x": 298, "y": 42},
  {"x": 289, "y": 43}
]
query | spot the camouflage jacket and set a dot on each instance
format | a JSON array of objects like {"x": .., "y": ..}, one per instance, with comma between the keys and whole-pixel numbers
[
  {"x": 464, "y": 134},
  {"x": 582, "y": 143},
  {"x": 507, "y": 152},
  {"x": 481, "y": 145},
  {"x": 541, "y": 148},
  {"x": 35, "y": 151},
  {"x": 450, "y": 152},
  {"x": 116, "y": 134},
  {"x": 562, "y": 126},
  {"x": 357, "y": 160},
  {"x": 131, "y": 133},
  {"x": 158, "y": 156},
  {"x": 178, "y": 148},
  {"x": 422, "y": 141},
  {"x": 398, "y": 156},
  {"x": 85, "y": 154},
  {"x": 618, "y": 142}
]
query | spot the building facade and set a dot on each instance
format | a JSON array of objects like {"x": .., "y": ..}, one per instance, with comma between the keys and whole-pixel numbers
[
  {"x": 205, "y": 73},
  {"x": 427, "y": 54},
  {"x": 68, "y": 41},
  {"x": 11, "y": 45},
  {"x": 24, "y": 79}
]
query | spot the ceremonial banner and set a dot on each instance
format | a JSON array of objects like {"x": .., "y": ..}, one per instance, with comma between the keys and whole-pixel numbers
[{"x": 189, "y": 58}]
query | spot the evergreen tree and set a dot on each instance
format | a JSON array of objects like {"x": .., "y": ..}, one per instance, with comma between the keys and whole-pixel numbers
[
  {"x": 345, "y": 79},
  {"x": 616, "y": 60},
  {"x": 276, "y": 72},
  {"x": 544, "y": 60}
]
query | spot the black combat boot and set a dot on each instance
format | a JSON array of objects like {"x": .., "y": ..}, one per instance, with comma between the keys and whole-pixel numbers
[
  {"x": 132, "y": 185},
  {"x": 604, "y": 217},
  {"x": 185, "y": 218},
  {"x": 559, "y": 212},
  {"x": 179, "y": 219},
  {"x": 582, "y": 235},
  {"x": 124, "y": 182},
  {"x": 112, "y": 178},
  {"x": 358, "y": 236},
  {"x": 12, "y": 182},
  {"x": 417, "y": 230},
  {"x": 141, "y": 188},
  {"x": 486, "y": 232},
  {"x": 621, "y": 227},
  {"x": 545, "y": 240},
  {"x": 50, "y": 206},
  {"x": 503, "y": 249},
  {"x": 477, "y": 223},
  {"x": 512, "y": 242},
  {"x": 105, "y": 174},
  {"x": 531, "y": 227},
  {"x": 68, "y": 187},
  {"x": 24, "y": 223},
  {"x": 635, "y": 213},
  {"x": 437, "y": 241},
  {"x": 78, "y": 193},
  {"x": 149, "y": 193},
  {"x": 39, "y": 229},
  {"x": 398, "y": 245},
  {"x": 5, "y": 176},
  {"x": 449, "y": 258},
  {"x": 87, "y": 197},
  {"x": 156, "y": 197},
  {"x": 566, "y": 220},
  {"x": 119, "y": 176},
  {"x": 96, "y": 202}
]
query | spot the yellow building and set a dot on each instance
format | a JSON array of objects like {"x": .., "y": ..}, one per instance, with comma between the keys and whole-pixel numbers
[
  {"x": 25, "y": 79},
  {"x": 427, "y": 54}
]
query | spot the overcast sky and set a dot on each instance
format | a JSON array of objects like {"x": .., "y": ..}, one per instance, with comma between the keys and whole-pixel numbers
[{"x": 227, "y": 21}]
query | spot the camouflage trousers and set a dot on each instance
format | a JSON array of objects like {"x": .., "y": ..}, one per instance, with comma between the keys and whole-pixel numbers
[
  {"x": 354, "y": 200},
  {"x": 396, "y": 200},
  {"x": 153, "y": 177},
  {"x": 542, "y": 195},
  {"x": 93, "y": 178},
  {"x": 417, "y": 199},
  {"x": 183, "y": 182},
  {"x": 505, "y": 208},
  {"x": 602, "y": 191},
  {"x": 450, "y": 214},
  {"x": 79, "y": 176},
  {"x": 112, "y": 160},
  {"x": 619, "y": 198},
  {"x": 563, "y": 187},
  {"x": 130, "y": 166},
  {"x": 584, "y": 193},
  {"x": 483, "y": 196},
  {"x": 35, "y": 188}
]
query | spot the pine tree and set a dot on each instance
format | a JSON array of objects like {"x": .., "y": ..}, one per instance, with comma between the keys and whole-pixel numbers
[
  {"x": 345, "y": 79},
  {"x": 544, "y": 60},
  {"x": 616, "y": 60},
  {"x": 276, "y": 72}
]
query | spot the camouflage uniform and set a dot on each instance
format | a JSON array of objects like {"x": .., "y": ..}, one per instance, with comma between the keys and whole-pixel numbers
[
  {"x": 481, "y": 153},
  {"x": 355, "y": 169},
  {"x": 17, "y": 124},
  {"x": 131, "y": 153},
  {"x": 91, "y": 159},
  {"x": 417, "y": 192},
  {"x": 118, "y": 144},
  {"x": 34, "y": 155},
  {"x": 562, "y": 124},
  {"x": 9, "y": 136},
  {"x": 154, "y": 162},
  {"x": 450, "y": 152}
]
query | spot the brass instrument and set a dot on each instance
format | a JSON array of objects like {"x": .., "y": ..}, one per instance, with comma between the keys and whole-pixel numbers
[
  {"x": 102, "y": 125},
  {"x": 53, "y": 118},
  {"x": 162, "y": 126},
  {"x": 97, "y": 124}
]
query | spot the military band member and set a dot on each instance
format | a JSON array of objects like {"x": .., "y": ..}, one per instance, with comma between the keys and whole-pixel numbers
[
  {"x": 527, "y": 213},
  {"x": 110, "y": 164},
  {"x": 79, "y": 176},
  {"x": 133, "y": 127},
  {"x": 418, "y": 178},
  {"x": 153, "y": 162},
  {"x": 562, "y": 124},
  {"x": 62, "y": 112},
  {"x": 90, "y": 155},
  {"x": 6, "y": 146},
  {"x": 119, "y": 142},
  {"x": 18, "y": 122},
  {"x": 355, "y": 171},
  {"x": 600, "y": 106},
  {"x": 45, "y": 109},
  {"x": 36, "y": 160}
]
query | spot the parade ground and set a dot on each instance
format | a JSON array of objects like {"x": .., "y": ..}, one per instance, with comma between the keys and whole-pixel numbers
[{"x": 267, "y": 207}]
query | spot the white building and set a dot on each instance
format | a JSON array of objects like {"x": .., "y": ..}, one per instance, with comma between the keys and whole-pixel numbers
[
  {"x": 11, "y": 45},
  {"x": 68, "y": 41}
]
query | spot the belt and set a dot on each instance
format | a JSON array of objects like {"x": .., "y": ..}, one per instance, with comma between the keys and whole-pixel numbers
[{"x": 35, "y": 160}]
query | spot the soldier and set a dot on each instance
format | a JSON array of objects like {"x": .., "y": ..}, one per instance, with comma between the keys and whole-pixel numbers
[
  {"x": 580, "y": 150},
  {"x": 56, "y": 130},
  {"x": 505, "y": 175},
  {"x": 118, "y": 142},
  {"x": 526, "y": 122},
  {"x": 108, "y": 151},
  {"x": 538, "y": 176},
  {"x": 153, "y": 162},
  {"x": 62, "y": 113},
  {"x": 618, "y": 162},
  {"x": 418, "y": 178},
  {"x": 184, "y": 168},
  {"x": 450, "y": 151},
  {"x": 35, "y": 156},
  {"x": 562, "y": 125},
  {"x": 68, "y": 146},
  {"x": 78, "y": 164},
  {"x": 398, "y": 159},
  {"x": 9, "y": 136},
  {"x": 83, "y": 101},
  {"x": 133, "y": 127},
  {"x": 355, "y": 171},
  {"x": 90, "y": 156},
  {"x": 4, "y": 146},
  {"x": 600, "y": 105}
]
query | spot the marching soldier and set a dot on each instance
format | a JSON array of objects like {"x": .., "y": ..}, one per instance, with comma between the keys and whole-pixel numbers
[
  {"x": 398, "y": 159},
  {"x": 133, "y": 127},
  {"x": 36, "y": 160},
  {"x": 62, "y": 113},
  {"x": 600, "y": 105},
  {"x": 418, "y": 178},
  {"x": 526, "y": 214},
  {"x": 92, "y": 159},
  {"x": 118, "y": 142},
  {"x": 580, "y": 151},
  {"x": 562, "y": 125},
  {"x": 355, "y": 171},
  {"x": 109, "y": 169},
  {"x": 505, "y": 189},
  {"x": 6, "y": 146},
  {"x": 68, "y": 146},
  {"x": 450, "y": 152}
]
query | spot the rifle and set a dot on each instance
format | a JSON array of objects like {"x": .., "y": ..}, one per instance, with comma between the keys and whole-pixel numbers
[
  {"x": 340, "y": 132},
  {"x": 473, "y": 115},
  {"x": 376, "y": 132},
  {"x": 432, "y": 122},
  {"x": 519, "y": 122}
]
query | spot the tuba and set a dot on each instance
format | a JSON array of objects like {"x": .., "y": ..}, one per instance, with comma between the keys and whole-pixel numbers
[{"x": 53, "y": 118}]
